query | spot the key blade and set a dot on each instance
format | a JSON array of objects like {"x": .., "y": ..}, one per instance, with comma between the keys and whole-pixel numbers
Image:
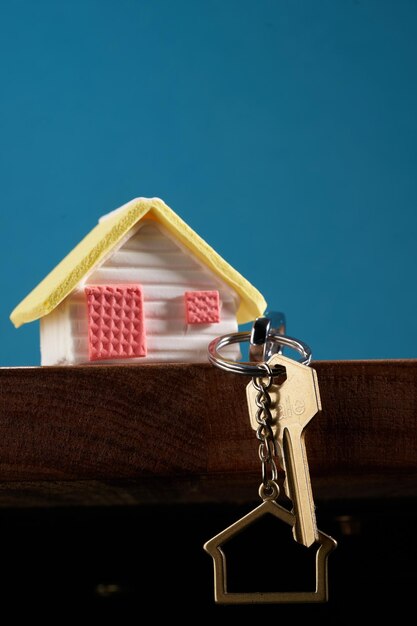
[{"x": 299, "y": 486}]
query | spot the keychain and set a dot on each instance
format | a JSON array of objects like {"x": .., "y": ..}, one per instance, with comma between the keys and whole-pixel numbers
[{"x": 283, "y": 396}]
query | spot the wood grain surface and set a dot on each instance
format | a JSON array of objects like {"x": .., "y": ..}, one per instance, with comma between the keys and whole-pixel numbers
[{"x": 126, "y": 432}]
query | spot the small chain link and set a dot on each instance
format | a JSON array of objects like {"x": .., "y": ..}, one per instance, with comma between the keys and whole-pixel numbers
[{"x": 268, "y": 446}]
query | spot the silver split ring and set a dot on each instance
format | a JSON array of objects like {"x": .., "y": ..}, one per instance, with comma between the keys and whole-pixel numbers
[{"x": 252, "y": 368}]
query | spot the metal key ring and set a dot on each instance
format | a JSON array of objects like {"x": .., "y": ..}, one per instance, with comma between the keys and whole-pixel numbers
[{"x": 251, "y": 368}]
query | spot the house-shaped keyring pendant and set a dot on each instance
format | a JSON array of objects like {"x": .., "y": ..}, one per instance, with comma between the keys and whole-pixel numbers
[{"x": 214, "y": 549}]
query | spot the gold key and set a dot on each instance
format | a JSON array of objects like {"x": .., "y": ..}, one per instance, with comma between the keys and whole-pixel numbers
[
  {"x": 283, "y": 397},
  {"x": 294, "y": 403}
]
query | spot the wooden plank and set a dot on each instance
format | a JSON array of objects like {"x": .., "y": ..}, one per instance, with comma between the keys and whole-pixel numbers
[{"x": 62, "y": 425}]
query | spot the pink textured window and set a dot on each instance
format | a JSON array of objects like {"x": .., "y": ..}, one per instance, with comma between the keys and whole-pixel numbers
[
  {"x": 202, "y": 307},
  {"x": 115, "y": 322}
]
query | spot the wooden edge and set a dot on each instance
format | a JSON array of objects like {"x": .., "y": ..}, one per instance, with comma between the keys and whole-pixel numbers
[{"x": 180, "y": 432}]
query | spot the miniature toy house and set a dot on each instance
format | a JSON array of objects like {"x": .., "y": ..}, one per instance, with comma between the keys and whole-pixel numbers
[{"x": 141, "y": 286}]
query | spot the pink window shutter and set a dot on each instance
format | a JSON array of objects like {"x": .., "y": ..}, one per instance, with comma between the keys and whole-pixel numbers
[
  {"x": 116, "y": 327},
  {"x": 202, "y": 307}
]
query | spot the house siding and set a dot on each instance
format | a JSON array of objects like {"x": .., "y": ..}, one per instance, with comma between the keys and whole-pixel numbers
[{"x": 166, "y": 270}]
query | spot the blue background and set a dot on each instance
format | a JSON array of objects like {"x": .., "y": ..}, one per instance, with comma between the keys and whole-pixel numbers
[{"x": 284, "y": 133}]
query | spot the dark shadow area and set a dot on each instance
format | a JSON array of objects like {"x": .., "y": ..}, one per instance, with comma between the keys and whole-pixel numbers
[
  {"x": 265, "y": 557},
  {"x": 116, "y": 562}
]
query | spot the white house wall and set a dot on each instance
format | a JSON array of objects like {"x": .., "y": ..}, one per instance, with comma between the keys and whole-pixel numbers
[
  {"x": 165, "y": 269},
  {"x": 56, "y": 344}
]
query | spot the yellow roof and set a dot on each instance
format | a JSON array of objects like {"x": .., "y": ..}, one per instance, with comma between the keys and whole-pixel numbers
[{"x": 99, "y": 242}]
